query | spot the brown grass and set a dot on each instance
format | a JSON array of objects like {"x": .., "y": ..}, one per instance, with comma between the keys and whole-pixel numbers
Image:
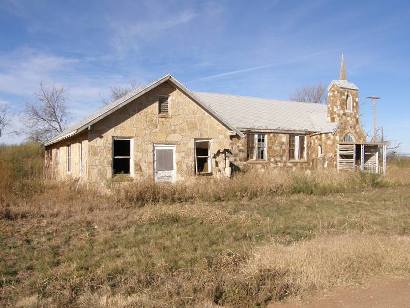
[
  {"x": 242, "y": 242},
  {"x": 328, "y": 261}
]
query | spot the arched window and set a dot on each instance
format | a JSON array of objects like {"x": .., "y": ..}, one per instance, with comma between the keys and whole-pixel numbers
[
  {"x": 349, "y": 103},
  {"x": 348, "y": 138}
]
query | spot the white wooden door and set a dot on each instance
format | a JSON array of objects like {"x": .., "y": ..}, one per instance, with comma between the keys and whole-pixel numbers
[{"x": 164, "y": 163}]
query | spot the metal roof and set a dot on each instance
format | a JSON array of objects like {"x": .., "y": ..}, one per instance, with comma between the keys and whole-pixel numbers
[
  {"x": 251, "y": 113},
  {"x": 345, "y": 84},
  {"x": 237, "y": 113}
]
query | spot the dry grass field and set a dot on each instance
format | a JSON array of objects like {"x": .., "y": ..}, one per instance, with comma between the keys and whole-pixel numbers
[{"x": 255, "y": 239}]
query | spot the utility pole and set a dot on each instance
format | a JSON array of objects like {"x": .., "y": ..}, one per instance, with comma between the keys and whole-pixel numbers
[{"x": 374, "y": 100}]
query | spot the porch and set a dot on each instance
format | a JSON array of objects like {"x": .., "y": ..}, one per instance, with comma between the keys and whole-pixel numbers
[{"x": 366, "y": 157}]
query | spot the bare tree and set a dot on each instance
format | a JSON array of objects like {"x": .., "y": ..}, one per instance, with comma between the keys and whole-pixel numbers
[
  {"x": 310, "y": 94},
  {"x": 120, "y": 91},
  {"x": 3, "y": 118},
  {"x": 48, "y": 116}
]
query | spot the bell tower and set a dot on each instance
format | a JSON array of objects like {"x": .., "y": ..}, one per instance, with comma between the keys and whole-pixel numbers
[{"x": 343, "y": 106}]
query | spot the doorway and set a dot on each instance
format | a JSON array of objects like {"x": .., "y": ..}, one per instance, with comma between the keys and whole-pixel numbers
[{"x": 164, "y": 163}]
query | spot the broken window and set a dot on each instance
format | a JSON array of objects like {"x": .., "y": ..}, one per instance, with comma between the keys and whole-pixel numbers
[
  {"x": 297, "y": 147},
  {"x": 163, "y": 106},
  {"x": 69, "y": 158},
  {"x": 122, "y": 156},
  {"x": 257, "y": 146},
  {"x": 202, "y": 157},
  {"x": 348, "y": 138},
  {"x": 261, "y": 146}
]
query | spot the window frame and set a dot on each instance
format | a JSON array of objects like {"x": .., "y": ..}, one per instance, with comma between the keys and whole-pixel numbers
[
  {"x": 130, "y": 157},
  {"x": 167, "y": 113},
  {"x": 349, "y": 103},
  {"x": 319, "y": 150},
  {"x": 255, "y": 147},
  {"x": 80, "y": 154},
  {"x": 265, "y": 146},
  {"x": 68, "y": 159},
  {"x": 209, "y": 157},
  {"x": 353, "y": 139},
  {"x": 296, "y": 149}
]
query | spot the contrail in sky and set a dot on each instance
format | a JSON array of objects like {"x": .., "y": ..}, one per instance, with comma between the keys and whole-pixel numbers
[{"x": 259, "y": 67}]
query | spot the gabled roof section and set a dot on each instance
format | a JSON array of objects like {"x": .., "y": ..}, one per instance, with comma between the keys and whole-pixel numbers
[
  {"x": 258, "y": 114},
  {"x": 344, "y": 84},
  {"x": 129, "y": 97}
]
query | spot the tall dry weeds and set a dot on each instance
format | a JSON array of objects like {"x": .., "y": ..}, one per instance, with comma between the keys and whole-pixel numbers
[
  {"x": 282, "y": 235},
  {"x": 328, "y": 261},
  {"x": 249, "y": 185}
]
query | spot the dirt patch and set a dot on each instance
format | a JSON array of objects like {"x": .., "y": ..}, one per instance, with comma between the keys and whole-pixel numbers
[{"x": 378, "y": 293}]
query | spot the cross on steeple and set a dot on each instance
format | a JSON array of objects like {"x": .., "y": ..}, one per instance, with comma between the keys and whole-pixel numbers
[{"x": 342, "y": 69}]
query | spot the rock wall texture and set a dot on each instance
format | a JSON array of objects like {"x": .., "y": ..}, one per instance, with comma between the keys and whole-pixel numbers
[
  {"x": 91, "y": 151},
  {"x": 58, "y": 164},
  {"x": 140, "y": 121},
  {"x": 348, "y": 122}
]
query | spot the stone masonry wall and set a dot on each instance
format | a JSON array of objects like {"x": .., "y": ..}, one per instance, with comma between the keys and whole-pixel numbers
[
  {"x": 58, "y": 163},
  {"x": 348, "y": 122},
  {"x": 140, "y": 121}
]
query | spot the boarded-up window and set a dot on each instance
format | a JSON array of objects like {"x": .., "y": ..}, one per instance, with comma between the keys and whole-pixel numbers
[
  {"x": 297, "y": 147},
  {"x": 164, "y": 159},
  {"x": 203, "y": 159},
  {"x": 122, "y": 156},
  {"x": 163, "y": 106}
]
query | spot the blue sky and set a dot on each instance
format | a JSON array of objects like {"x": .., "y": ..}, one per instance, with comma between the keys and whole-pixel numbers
[{"x": 255, "y": 48}]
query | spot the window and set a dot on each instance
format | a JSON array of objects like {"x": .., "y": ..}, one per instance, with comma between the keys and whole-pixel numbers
[
  {"x": 69, "y": 158},
  {"x": 121, "y": 156},
  {"x": 348, "y": 138},
  {"x": 261, "y": 146},
  {"x": 319, "y": 151},
  {"x": 81, "y": 157},
  {"x": 163, "y": 106},
  {"x": 257, "y": 146},
  {"x": 203, "y": 161},
  {"x": 349, "y": 103},
  {"x": 297, "y": 145}
]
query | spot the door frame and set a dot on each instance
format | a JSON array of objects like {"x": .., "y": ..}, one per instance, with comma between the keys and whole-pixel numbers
[{"x": 165, "y": 147}]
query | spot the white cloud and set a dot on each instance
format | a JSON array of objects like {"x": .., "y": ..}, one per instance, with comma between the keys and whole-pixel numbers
[
  {"x": 22, "y": 71},
  {"x": 126, "y": 34}
]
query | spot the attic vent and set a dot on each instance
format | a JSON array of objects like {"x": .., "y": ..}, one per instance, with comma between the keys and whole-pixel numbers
[{"x": 163, "y": 107}]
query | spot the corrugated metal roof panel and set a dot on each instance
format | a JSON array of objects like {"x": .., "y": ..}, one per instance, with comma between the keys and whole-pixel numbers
[{"x": 266, "y": 114}]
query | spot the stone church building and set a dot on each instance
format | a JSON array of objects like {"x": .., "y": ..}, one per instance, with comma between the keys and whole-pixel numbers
[{"x": 166, "y": 132}]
